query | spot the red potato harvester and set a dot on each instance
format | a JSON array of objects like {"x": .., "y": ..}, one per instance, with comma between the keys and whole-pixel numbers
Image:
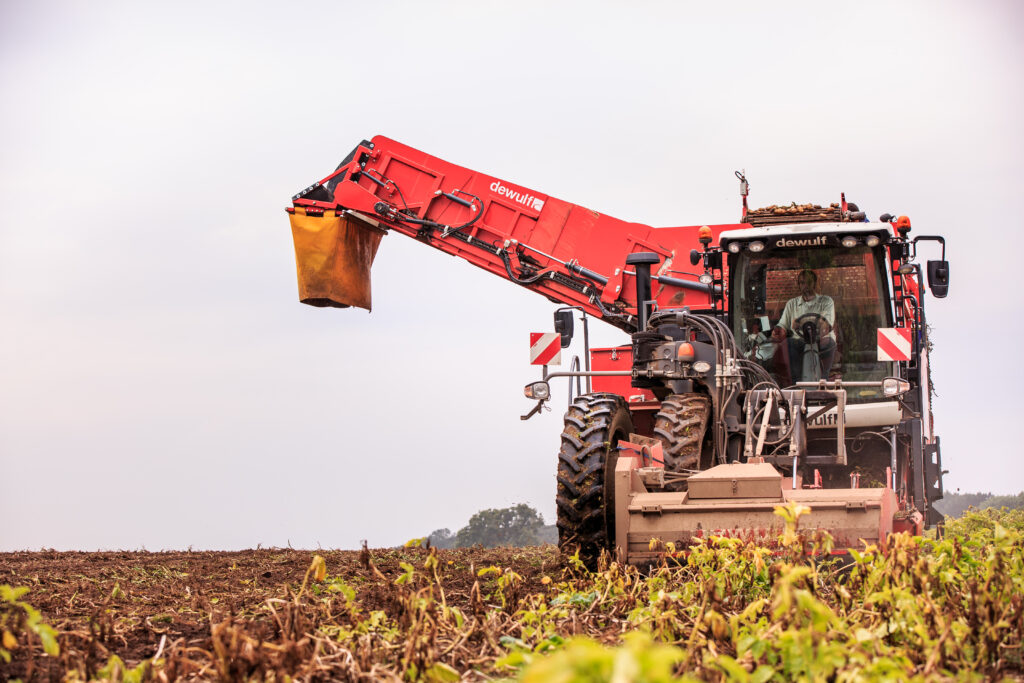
[{"x": 780, "y": 359}]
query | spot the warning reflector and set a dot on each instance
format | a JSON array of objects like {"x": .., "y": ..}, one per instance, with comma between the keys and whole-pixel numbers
[
  {"x": 545, "y": 348},
  {"x": 894, "y": 343}
]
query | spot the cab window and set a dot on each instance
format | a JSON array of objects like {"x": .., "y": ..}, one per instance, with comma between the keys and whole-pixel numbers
[{"x": 827, "y": 304}]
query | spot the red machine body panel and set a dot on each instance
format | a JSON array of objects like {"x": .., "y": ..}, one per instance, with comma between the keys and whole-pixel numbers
[{"x": 642, "y": 402}]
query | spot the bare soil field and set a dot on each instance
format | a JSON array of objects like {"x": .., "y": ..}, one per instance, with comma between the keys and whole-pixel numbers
[
  {"x": 911, "y": 609},
  {"x": 128, "y": 603}
]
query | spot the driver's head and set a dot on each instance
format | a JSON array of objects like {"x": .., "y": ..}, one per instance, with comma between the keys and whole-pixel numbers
[{"x": 807, "y": 281}]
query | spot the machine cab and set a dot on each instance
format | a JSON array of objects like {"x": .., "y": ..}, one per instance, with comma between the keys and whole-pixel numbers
[{"x": 806, "y": 301}]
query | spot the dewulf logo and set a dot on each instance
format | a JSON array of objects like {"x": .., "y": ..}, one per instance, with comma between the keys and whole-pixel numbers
[
  {"x": 519, "y": 197},
  {"x": 817, "y": 241}
]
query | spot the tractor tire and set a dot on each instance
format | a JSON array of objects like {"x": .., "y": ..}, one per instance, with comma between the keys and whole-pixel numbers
[
  {"x": 585, "y": 498},
  {"x": 681, "y": 424}
]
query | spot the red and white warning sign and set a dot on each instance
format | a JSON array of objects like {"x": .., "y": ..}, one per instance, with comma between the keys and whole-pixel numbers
[
  {"x": 894, "y": 343},
  {"x": 545, "y": 348}
]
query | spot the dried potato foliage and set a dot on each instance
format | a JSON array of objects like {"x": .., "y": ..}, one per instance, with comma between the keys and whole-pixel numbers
[{"x": 912, "y": 609}]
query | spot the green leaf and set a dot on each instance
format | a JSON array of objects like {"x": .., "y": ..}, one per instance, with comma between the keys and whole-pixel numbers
[
  {"x": 49, "y": 639},
  {"x": 732, "y": 668},
  {"x": 439, "y": 671},
  {"x": 10, "y": 594},
  {"x": 512, "y": 643}
]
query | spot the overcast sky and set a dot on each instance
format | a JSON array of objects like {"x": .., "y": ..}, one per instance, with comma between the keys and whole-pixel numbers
[{"x": 160, "y": 384}]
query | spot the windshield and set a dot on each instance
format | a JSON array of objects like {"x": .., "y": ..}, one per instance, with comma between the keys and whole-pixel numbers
[{"x": 809, "y": 314}]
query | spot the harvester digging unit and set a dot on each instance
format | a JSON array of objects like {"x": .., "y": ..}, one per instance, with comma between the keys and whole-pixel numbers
[{"x": 793, "y": 367}]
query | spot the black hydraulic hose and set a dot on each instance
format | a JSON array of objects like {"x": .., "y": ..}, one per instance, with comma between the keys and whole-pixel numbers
[
  {"x": 605, "y": 313},
  {"x": 511, "y": 276},
  {"x": 785, "y": 435},
  {"x": 757, "y": 371},
  {"x": 469, "y": 205},
  {"x": 596, "y": 300},
  {"x": 719, "y": 335},
  {"x": 726, "y": 335},
  {"x": 383, "y": 181},
  {"x": 752, "y": 419}
]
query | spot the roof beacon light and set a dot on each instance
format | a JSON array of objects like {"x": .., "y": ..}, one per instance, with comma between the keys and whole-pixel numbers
[
  {"x": 903, "y": 226},
  {"x": 704, "y": 235},
  {"x": 849, "y": 241},
  {"x": 756, "y": 246}
]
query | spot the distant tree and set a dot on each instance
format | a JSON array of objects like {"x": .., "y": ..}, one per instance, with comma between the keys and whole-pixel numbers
[
  {"x": 516, "y": 526},
  {"x": 548, "y": 534},
  {"x": 1012, "y": 502},
  {"x": 441, "y": 538},
  {"x": 956, "y": 504}
]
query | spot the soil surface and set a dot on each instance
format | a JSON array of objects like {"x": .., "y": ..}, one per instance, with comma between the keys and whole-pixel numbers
[{"x": 128, "y": 603}]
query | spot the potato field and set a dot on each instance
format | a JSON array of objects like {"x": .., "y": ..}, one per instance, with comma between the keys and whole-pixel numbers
[{"x": 915, "y": 609}]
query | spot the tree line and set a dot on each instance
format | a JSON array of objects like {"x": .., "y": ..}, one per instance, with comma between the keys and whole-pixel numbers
[
  {"x": 956, "y": 504},
  {"x": 519, "y": 525}
]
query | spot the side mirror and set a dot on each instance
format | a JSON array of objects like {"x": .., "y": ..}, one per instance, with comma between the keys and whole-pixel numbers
[
  {"x": 563, "y": 325},
  {"x": 694, "y": 257},
  {"x": 938, "y": 278}
]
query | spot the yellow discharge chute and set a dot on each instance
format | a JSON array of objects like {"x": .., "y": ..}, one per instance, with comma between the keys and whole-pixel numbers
[{"x": 333, "y": 256}]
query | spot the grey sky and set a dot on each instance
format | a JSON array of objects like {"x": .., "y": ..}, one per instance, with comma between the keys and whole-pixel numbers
[{"x": 160, "y": 384}]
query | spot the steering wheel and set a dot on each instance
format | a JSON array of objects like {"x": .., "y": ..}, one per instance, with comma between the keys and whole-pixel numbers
[{"x": 810, "y": 325}]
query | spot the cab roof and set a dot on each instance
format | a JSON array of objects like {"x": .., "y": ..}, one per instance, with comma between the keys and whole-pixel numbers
[{"x": 803, "y": 230}]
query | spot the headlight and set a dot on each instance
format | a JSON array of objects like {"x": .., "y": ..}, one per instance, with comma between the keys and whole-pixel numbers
[
  {"x": 538, "y": 390},
  {"x": 756, "y": 246},
  {"x": 705, "y": 279},
  {"x": 849, "y": 241},
  {"x": 701, "y": 366},
  {"x": 734, "y": 247},
  {"x": 871, "y": 240},
  {"x": 894, "y": 386}
]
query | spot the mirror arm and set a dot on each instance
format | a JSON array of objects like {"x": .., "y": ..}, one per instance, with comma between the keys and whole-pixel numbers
[{"x": 933, "y": 238}]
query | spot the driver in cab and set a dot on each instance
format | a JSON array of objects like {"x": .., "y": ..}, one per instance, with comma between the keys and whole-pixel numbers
[{"x": 807, "y": 320}]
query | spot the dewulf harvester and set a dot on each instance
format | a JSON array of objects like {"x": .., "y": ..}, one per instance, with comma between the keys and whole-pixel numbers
[{"x": 792, "y": 367}]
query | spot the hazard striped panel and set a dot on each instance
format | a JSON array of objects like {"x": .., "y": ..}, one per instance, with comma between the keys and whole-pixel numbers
[
  {"x": 894, "y": 343},
  {"x": 545, "y": 348}
]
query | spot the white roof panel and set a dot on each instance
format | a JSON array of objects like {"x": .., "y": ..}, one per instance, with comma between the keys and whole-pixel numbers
[{"x": 802, "y": 229}]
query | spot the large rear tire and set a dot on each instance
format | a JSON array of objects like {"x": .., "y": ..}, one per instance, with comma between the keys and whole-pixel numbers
[
  {"x": 585, "y": 497},
  {"x": 681, "y": 424}
]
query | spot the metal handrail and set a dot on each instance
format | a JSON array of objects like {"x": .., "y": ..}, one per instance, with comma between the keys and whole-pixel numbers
[{"x": 574, "y": 366}]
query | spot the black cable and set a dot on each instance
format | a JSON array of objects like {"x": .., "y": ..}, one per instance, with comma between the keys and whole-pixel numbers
[
  {"x": 606, "y": 313},
  {"x": 511, "y": 276},
  {"x": 423, "y": 221},
  {"x": 476, "y": 215}
]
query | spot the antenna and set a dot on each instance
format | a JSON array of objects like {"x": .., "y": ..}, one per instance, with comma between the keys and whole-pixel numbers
[{"x": 744, "y": 189}]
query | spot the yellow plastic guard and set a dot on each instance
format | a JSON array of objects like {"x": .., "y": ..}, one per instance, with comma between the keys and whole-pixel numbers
[{"x": 333, "y": 256}]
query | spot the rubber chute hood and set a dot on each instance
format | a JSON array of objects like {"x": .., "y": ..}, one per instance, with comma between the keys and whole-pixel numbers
[{"x": 333, "y": 256}]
